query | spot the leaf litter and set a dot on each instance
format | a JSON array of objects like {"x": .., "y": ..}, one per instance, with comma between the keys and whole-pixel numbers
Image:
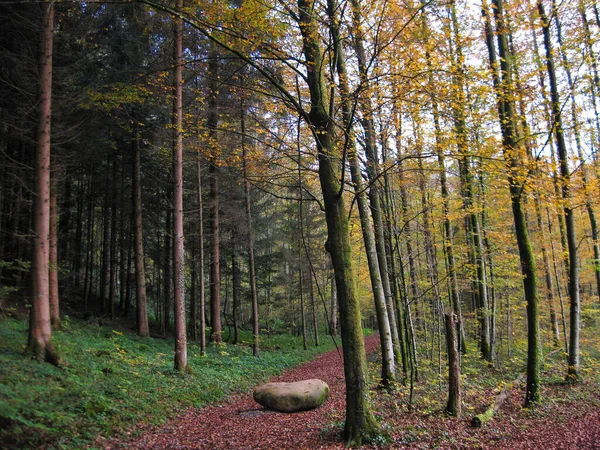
[{"x": 240, "y": 423}]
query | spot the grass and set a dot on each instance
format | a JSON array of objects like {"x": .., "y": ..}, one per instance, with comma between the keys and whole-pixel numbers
[{"x": 113, "y": 381}]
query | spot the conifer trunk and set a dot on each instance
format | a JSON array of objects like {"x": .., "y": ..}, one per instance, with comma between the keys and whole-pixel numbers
[
  {"x": 251, "y": 266},
  {"x": 180, "y": 362},
  {"x": 40, "y": 331},
  {"x": 140, "y": 269},
  {"x": 53, "y": 257},
  {"x": 200, "y": 269}
]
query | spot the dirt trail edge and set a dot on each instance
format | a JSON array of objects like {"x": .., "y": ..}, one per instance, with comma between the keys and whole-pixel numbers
[{"x": 241, "y": 423}]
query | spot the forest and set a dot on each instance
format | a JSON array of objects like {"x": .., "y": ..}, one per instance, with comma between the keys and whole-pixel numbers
[{"x": 198, "y": 195}]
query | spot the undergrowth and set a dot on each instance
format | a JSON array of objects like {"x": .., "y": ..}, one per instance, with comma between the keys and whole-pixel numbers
[
  {"x": 481, "y": 381},
  {"x": 113, "y": 381}
]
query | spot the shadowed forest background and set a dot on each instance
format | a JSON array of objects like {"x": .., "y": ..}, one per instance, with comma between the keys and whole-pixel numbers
[{"x": 197, "y": 195}]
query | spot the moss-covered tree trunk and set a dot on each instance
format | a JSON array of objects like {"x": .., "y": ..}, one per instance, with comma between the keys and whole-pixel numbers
[
  {"x": 388, "y": 367},
  {"x": 565, "y": 175},
  {"x": 512, "y": 149},
  {"x": 360, "y": 422}
]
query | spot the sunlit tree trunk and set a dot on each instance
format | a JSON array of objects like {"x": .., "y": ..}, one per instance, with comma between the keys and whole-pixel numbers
[
  {"x": 565, "y": 173},
  {"x": 503, "y": 85}
]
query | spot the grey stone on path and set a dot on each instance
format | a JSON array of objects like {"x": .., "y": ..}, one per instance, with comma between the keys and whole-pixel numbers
[{"x": 292, "y": 397}]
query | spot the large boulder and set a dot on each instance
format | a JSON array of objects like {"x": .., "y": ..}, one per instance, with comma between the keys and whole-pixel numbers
[{"x": 292, "y": 397}]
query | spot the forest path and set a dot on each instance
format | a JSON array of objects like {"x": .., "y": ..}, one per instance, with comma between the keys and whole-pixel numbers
[{"x": 241, "y": 423}]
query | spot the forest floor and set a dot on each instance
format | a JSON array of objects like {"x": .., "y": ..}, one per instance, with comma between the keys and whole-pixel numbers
[{"x": 568, "y": 417}]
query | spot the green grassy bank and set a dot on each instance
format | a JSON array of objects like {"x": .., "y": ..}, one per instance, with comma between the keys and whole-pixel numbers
[{"x": 114, "y": 380}]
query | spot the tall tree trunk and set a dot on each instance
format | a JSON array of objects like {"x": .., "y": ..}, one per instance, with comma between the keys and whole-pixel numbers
[
  {"x": 140, "y": 270},
  {"x": 105, "y": 273},
  {"x": 333, "y": 313},
  {"x": 373, "y": 168},
  {"x": 53, "y": 256},
  {"x": 467, "y": 191},
  {"x": 385, "y": 332},
  {"x": 253, "y": 289},
  {"x": 453, "y": 406},
  {"x": 360, "y": 424},
  {"x": 40, "y": 330},
  {"x": 180, "y": 362},
  {"x": 112, "y": 281},
  {"x": 510, "y": 141},
  {"x": 313, "y": 305},
  {"x": 565, "y": 173},
  {"x": 167, "y": 268},
  {"x": 236, "y": 289},
  {"x": 215, "y": 275},
  {"x": 201, "y": 279},
  {"x": 124, "y": 244}
]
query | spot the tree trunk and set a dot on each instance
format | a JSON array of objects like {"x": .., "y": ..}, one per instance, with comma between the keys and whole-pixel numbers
[
  {"x": 201, "y": 280},
  {"x": 112, "y": 280},
  {"x": 565, "y": 175},
  {"x": 40, "y": 330},
  {"x": 360, "y": 424},
  {"x": 511, "y": 146},
  {"x": 453, "y": 407},
  {"x": 253, "y": 289},
  {"x": 467, "y": 192},
  {"x": 53, "y": 257},
  {"x": 140, "y": 270},
  {"x": 385, "y": 332},
  {"x": 333, "y": 313},
  {"x": 180, "y": 362},
  {"x": 237, "y": 287}
]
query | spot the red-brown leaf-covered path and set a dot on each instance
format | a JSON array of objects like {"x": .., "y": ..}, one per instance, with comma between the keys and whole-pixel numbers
[{"x": 241, "y": 423}]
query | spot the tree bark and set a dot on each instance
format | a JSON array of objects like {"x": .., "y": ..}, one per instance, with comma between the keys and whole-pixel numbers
[
  {"x": 53, "y": 257},
  {"x": 511, "y": 146},
  {"x": 253, "y": 289},
  {"x": 40, "y": 330},
  {"x": 140, "y": 270},
  {"x": 360, "y": 424},
  {"x": 565, "y": 175},
  {"x": 215, "y": 268},
  {"x": 201, "y": 280},
  {"x": 388, "y": 368},
  {"x": 180, "y": 362},
  {"x": 453, "y": 407}
]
